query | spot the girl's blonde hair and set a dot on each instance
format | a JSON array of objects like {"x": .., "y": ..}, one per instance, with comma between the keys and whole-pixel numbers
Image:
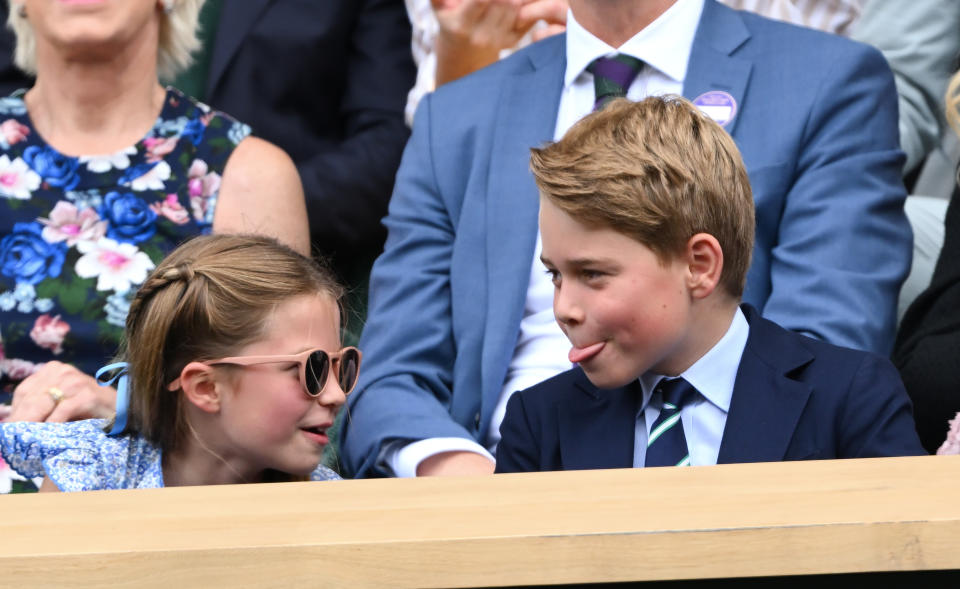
[
  {"x": 208, "y": 299},
  {"x": 178, "y": 38}
]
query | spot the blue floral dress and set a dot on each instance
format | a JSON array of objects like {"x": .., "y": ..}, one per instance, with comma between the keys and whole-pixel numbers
[
  {"x": 78, "y": 235},
  {"x": 79, "y": 456}
]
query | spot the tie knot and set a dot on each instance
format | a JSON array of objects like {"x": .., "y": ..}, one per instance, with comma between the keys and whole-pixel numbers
[
  {"x": 676, "y": 393},
  {"x": 612, "y": 77}
]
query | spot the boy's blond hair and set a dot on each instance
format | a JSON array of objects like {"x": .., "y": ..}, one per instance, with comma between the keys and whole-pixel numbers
[{"x": 658, "y": 171}]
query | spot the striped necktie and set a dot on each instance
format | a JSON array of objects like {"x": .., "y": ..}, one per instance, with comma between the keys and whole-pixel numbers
[
  {"x": 666, "y": 445},
  {"x": 612, "y": 77}
]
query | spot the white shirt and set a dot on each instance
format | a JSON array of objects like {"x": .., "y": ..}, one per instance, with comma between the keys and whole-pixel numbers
[
  {"x": 713, "y": 375},
  {"x": 541, "y": 351}
]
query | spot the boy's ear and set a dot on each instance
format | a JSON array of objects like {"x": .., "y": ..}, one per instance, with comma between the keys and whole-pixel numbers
[
  {"x": 704, "y": 264},
  {"x": 200, "y": 386}
]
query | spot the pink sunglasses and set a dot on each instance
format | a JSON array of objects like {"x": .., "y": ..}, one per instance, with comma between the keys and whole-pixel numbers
[{"x": 315, "y": 366}]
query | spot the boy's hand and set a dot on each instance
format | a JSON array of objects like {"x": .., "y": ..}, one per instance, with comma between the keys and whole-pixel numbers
[{"x": 455, "y": 464}]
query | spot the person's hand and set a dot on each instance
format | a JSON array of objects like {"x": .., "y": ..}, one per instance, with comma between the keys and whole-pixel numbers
[
  {"x": 473, "y": 32},
  {"x": 60, "y": 392},
  {"x": 455, "y": 464},
  {"x": 552, "y": 12},
  {"x": 488, "y": 25}
]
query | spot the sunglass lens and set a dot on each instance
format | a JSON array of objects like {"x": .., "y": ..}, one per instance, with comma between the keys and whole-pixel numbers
[
  {"x": 316, "y": 372},
  {"x": 349, "y": 367}
]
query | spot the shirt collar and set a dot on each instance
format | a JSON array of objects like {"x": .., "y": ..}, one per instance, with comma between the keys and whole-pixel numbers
[
  {"x": 715, "y": 373},
  {"x": 664, "y": 44}
]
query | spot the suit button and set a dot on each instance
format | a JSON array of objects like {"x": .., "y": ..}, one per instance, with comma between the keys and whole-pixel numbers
[{"x": 476, "y": 420}]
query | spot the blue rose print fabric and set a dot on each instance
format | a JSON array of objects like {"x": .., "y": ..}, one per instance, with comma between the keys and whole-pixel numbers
[{"x": 78, "y": 235}]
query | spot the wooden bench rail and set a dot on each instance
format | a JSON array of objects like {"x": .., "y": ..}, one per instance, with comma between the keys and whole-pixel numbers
[{"x": 746, "y": 520}]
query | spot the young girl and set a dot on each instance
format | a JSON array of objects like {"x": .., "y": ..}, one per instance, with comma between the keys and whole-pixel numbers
[{"x": 233, "y": 373}]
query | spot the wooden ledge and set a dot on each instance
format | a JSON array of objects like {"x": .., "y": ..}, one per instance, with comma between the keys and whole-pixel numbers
[{"x": 745, "y": 520}]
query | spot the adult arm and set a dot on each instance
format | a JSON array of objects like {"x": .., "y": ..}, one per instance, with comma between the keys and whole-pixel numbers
[
  {"x": 921, "y": 41},
  {"x": 844, "y": 243},
  {"x": 406, "y": 387},
  {"x": 348, "y": 187},
  {"x": 261, "y": 193}
]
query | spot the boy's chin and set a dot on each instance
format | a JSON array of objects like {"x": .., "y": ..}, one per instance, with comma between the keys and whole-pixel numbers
[{"x": 607, "y": 380}]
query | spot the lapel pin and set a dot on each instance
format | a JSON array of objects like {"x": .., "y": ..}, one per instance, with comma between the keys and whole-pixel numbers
[{"x": 718, "y": 105}]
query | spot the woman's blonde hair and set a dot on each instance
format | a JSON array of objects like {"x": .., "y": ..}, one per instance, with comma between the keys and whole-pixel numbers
[
  {"x": 953, "y": 103},
  {"x": 178, "y": 38},
  {"x": 208, "y": 299}
]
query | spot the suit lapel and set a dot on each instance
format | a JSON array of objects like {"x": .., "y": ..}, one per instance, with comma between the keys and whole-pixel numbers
[
  {"x": 236, "y": 20},
  {"x": 597, "y": 430},
  {"x": 713, "y": 66},
  {"x": 766, "y": 404},
  {"x": 526, "y": 118}
]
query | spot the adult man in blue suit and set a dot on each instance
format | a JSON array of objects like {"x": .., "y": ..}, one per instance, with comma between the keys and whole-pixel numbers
[{"x": 460, "y": 311}]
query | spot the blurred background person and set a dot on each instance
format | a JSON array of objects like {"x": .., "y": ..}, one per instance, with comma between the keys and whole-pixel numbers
[{"x": 928, "y": 342}]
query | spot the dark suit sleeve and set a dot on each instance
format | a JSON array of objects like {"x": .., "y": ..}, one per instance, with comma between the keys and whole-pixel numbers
[
  {"x": 348, "y": 187},
  {"x": 519, "y": 449},
  {"x": 876, "y": 419}
]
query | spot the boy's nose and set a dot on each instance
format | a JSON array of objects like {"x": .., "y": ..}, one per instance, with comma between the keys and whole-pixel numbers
[{"x": 565, "y": 309}]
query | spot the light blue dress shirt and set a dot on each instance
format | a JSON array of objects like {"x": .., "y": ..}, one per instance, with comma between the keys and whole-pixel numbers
[{"x": 713, "y": 375}]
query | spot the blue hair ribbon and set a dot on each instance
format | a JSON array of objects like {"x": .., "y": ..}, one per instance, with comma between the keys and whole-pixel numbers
[{"x": 122, "y": 381}]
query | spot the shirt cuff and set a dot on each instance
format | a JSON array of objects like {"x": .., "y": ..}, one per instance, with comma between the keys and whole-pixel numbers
[{"x": 403, "y": 459}]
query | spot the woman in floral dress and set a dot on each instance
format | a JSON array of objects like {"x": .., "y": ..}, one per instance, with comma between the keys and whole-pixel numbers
[{"x": 80, "y": 231}]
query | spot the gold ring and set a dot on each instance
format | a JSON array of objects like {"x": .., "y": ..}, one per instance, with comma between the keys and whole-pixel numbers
[{"x": 56, "y": 394}]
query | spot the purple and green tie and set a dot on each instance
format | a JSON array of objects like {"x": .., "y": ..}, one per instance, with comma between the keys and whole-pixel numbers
[
  {"x": 666, "y": 445},
  {"x": 612, "y": 77}
]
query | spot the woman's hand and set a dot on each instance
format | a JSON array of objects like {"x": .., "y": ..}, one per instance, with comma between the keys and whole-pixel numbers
[{"x": 59, "y": 392}]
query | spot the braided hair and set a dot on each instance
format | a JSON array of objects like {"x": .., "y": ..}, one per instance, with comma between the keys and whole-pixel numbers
[{"x": 209, "y": 298}]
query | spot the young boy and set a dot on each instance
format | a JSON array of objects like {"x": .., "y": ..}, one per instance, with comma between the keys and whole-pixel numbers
[{"x": 647, "y": 221}]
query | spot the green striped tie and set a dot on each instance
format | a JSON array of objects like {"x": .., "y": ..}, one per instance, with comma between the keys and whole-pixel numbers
[{"x": 667, "y": 446}]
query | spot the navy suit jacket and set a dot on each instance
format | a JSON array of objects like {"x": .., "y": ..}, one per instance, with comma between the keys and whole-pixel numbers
[
  {"x": 816, "y": 123},
  {"x": 327, "y": 81},
  {"x": 794, "y": 398}
]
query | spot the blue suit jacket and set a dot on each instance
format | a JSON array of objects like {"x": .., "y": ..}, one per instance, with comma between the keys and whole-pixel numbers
[
  {"x": 795, "y": 398},
  {"x": 817, "y": 126}
]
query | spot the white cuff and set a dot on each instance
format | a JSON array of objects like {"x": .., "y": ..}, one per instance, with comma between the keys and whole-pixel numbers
[{"x": 404, "y": 460}]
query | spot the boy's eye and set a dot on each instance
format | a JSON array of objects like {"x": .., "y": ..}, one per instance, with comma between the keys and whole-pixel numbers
[
  {"x": 589, "y": 275},
  {"x": 554, "y": 276}
]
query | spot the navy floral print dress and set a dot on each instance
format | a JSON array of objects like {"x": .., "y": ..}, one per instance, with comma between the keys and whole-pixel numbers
[{"x": 78, "y": 235}]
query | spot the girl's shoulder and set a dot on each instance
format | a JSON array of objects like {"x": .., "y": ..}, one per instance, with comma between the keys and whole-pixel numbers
[{"x": 80, "y": 456}]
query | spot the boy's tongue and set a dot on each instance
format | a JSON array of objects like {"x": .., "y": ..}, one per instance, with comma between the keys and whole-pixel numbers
[{"x": 578, "y": 355}]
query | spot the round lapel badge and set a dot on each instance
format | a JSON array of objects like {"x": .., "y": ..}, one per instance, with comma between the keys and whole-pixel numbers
[{"x": 718, "y": 105}]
